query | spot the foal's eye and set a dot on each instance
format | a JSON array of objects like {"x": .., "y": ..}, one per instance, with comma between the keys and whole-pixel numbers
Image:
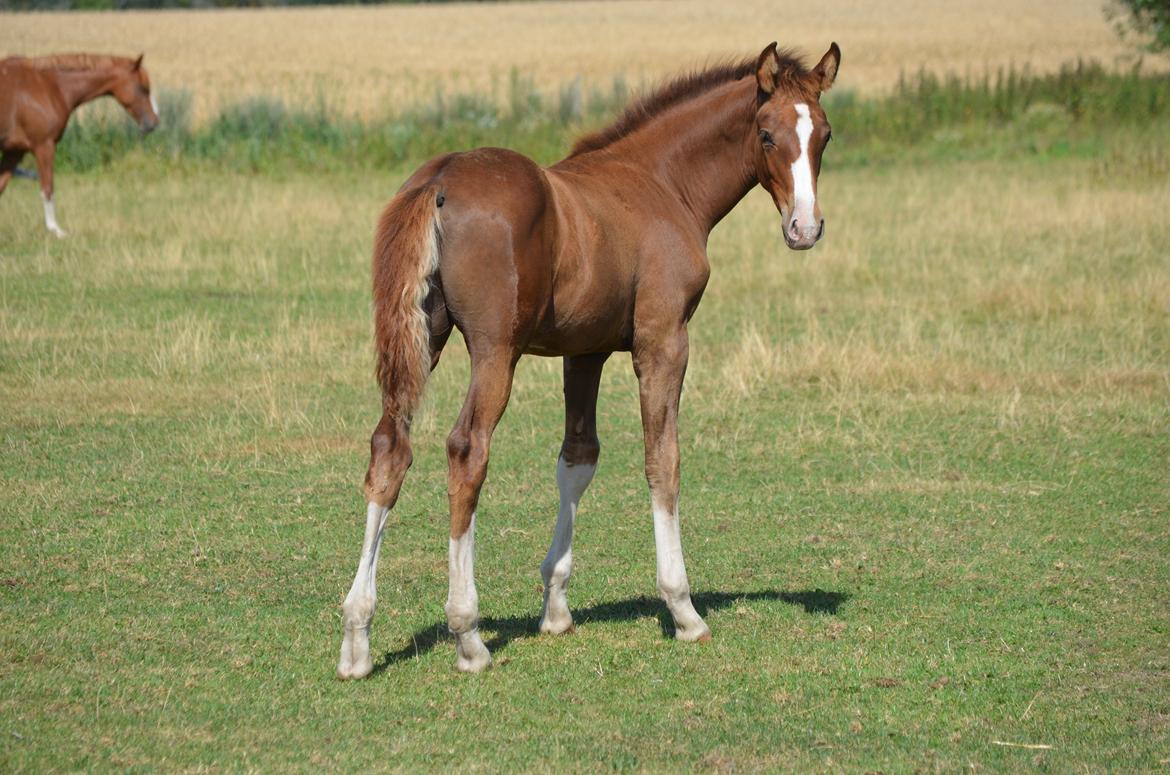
[{"x": 766, "y": 138}]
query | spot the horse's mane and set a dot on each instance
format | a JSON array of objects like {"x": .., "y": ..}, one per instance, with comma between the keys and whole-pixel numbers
[
  {"x": 78, "y": 62},
  {"x": 679, "y": 90}
]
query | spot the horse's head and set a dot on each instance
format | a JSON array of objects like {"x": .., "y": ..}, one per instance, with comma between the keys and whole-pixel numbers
[
  {"x": 793, "y": 132},
  {"x": 132, "y": 90}
]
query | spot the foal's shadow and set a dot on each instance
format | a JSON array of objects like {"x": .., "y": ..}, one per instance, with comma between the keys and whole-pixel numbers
[{"x": 507, "y": 629}]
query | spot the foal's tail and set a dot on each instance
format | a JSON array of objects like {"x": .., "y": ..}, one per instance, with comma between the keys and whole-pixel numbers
[{"x": 406, "y": 255}]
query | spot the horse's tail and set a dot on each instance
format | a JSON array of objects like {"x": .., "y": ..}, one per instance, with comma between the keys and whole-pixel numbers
[{"x": 406, "y": 256}]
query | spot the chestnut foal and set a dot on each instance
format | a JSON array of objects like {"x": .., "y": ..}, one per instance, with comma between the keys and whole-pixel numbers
[
  {"x": 604, "y": 251},
  {"x": 38, "y": 95}
]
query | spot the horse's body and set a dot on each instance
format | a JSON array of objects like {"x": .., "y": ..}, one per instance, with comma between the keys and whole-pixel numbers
[
  {"x": 37, "y": 96},
  {"x": 603, "y": 252}
]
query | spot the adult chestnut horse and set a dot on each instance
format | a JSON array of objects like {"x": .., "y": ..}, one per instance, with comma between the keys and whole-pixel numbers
[
  {"x": 604, "y": 251},
  {"x": 38, "y": 95}
]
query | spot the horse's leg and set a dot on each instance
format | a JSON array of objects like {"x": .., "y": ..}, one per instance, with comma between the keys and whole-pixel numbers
[
  {"x": 390, "y": 457},
  {"x": 44, "y": 155},
  {"x": 8, "y": 162},
  {"x": 660, "y": 364},
  {"x": 575, "y": 467},
  {"x": 467, "y": 460}
]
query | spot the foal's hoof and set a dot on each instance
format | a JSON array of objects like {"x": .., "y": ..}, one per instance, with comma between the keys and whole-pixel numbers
[
  {"x": 557, "y": 628},
  {"x": 359, "y": 669},
  {"x": 355, "y": 661},
  {"x": 695, "y": 635},
  {"x": 476, "y": 663}
]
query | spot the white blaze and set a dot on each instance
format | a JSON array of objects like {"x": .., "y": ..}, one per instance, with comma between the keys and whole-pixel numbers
[
  {"x": 802, "y": 180},
  {"x": 153, "y": 105}
]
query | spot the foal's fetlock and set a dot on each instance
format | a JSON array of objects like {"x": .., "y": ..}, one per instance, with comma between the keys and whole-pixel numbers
[
  {"x": 555, "y": 618},
  {"x": 355, "y": 661},
  {"x": 471, "y": 655},
  {"x": 688, "y": 625}
]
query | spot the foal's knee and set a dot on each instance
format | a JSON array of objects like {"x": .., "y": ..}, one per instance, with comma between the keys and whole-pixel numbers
[
  {"x": 581, "y": 450},
  {"x": 357, "y": 611},
  {"x": 390, "y": 457}
]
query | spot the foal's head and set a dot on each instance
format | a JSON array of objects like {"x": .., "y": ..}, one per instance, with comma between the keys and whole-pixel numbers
[
  {"x": 793, "y": 132},
  {"x": 132, "y": 90}
]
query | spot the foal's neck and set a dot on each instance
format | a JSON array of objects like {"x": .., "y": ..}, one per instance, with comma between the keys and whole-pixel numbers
[{"x": 703, "y": 150}]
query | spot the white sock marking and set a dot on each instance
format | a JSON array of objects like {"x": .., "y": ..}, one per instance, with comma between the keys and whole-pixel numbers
[
  {"x": 463, "y": 603},
  {"x": 359, "y": 603},
  {"x": 672, "y": 574},
  {"x": 802, "y": 181},
  {"x": 51, "y": 216},
  {"x": 572, "y": 480}
]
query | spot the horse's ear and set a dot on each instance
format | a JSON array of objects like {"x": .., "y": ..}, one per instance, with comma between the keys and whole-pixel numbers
[
  {"x": 825, "y": 72},
  {"x": 138, "y": 62},
  {"x": 767, "y": 67}
]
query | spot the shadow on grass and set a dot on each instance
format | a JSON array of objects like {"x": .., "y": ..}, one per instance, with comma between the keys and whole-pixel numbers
[{"x": 507, "y": 629}]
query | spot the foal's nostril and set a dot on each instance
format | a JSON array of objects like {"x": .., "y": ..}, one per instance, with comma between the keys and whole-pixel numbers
[{"x": 821, "y": 231}]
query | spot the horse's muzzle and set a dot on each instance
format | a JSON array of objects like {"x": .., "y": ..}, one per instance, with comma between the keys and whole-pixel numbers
[{"x": 803, "y": 238}]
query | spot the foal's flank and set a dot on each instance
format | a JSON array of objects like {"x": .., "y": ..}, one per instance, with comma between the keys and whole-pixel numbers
[{"x": 604, "y": 251}]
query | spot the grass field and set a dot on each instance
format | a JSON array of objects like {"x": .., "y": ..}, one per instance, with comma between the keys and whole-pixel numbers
[
  {"x": 372, "y": 61},
  {"x": 925, "y": 499}
]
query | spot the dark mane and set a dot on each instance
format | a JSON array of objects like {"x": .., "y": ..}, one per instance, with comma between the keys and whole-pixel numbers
[{"x": 678, "y": 90}]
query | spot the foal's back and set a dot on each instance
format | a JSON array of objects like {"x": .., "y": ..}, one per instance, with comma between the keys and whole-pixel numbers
[{"x": 540, "y": 259}]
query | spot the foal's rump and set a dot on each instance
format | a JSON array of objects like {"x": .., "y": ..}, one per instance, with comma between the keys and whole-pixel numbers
[{"x": 494, "y": 221}]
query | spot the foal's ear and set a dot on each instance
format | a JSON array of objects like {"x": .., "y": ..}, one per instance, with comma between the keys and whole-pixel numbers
[
  {"x": 767, "y": 66},
  {"x": 825, "y": 72},
  {"x": 138, "y": 62}
]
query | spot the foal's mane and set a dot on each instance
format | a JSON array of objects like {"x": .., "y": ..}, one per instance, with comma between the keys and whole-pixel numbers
[
  {"x": 74, "y": 62},
  {"x": 680, "y": 89}
]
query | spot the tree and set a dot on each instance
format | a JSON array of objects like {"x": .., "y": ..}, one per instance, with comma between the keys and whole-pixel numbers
[{"x": 1146, "y": 20}]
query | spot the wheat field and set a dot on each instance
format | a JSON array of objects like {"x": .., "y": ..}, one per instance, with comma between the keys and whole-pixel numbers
[
  {"x": 369, "y": 61},
  {"x": 921, "y": 509}
]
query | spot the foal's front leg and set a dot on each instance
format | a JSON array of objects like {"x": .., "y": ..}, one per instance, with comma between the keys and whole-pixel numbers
[
  {"x": 44, "y": 154},
  {"x": 575, "y": 468},
  {"x": 660, "y": 365}
]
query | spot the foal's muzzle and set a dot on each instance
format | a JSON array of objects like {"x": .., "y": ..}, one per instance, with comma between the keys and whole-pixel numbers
[{"x": 801, "y": 236}]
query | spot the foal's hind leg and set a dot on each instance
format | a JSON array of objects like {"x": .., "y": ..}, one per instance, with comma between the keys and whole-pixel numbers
[
  {"x": 390, "y": 457},
  {"x": 660, "y": 365},
  {"x": 575, "y": 467},
  {"x": 467, "y": 459}
]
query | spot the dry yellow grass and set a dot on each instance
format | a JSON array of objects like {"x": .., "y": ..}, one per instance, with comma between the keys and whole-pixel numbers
[{"x": 369, "y": 60}]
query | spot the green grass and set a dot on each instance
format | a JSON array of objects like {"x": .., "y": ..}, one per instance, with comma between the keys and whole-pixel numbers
[{"x": 924, "y": 487}]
